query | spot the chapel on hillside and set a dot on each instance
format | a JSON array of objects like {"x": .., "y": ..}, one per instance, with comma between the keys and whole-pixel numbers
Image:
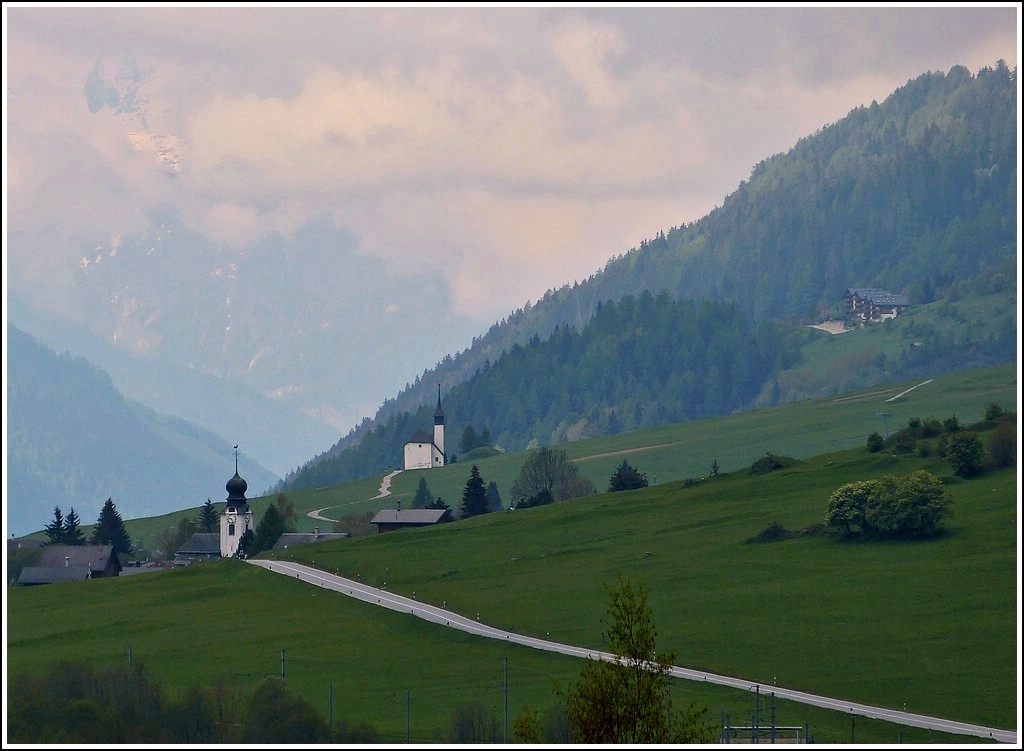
[{"x": 423, "y": 450}]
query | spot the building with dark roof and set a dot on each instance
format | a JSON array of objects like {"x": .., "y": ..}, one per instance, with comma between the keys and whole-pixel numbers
[
  {"x": 72, "y": 563},
  {"x": 390, "y": 519},
  {"x": 865, "y": 304},
  {"x": 425, "y": 450}
]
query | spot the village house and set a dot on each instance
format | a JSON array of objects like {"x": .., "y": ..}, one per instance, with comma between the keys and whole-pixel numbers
[
  {"x": 60, "y": 563},
  {"x": 389, "y": 519}
]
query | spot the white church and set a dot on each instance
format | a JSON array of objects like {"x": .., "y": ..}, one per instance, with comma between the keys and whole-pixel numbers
[
  {"x": 236, "y": 519},
  {"x": 423, "y": 450}
]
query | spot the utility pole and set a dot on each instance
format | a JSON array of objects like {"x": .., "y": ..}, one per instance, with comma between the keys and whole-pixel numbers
[
  {"x": 407, "y": 724},
  {"x": 506, "y": 700},
  {"x": 885, "y": 421},
  {"x": 330, "y": 705},
  {"x": 282, "y": 664}
]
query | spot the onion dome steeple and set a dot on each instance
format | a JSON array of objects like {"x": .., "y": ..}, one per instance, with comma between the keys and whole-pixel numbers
[{"x": 236, "y": 486}]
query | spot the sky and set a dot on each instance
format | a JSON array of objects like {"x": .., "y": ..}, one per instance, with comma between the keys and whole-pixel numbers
[{"x": 524, "y": 144}]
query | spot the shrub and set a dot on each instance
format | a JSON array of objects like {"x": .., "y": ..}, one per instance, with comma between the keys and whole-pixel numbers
[
  {"x": 875, "y": 443},
  {"x": 911, "y": 506},
  {"x": 769, "y": 463},
  {"x": 966, "y": 454},
  {"x": 1002, "y": 445}
]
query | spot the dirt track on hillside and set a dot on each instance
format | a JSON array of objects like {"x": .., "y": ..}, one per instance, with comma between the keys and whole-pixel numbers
[{"x": 624, "y": 451}]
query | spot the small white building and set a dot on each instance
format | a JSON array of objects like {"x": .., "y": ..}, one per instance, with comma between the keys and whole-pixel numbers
[
  {"x": 423, "y": 450},
  {"x": 236, "y": 519}
]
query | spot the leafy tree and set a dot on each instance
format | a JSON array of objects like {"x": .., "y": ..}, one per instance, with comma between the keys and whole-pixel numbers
[
  {"x": 914, "y": 505},
  {"x": 474, "y": 495},
  {"x": 493, "y": 496},
  {"x": 279, "y": 716},
  {"x": 965, "y": 453},
  {"x": 526, "y": 728},
  {"x": 209, "y": 521},
  {"x": 110, "y": 529},
  {"x": 993, "y": 412},
  {"x": 55, "y": 529},
  {"x": 423, "y": 495},
  {"x": 1002, "y": 445},
  {"x": 626, "y": 477},
  {"x": 875, "y": 443},
  {"x": 848, "y": 506},
  {"x": 469, "y": 440},
  {"x": 472, "y": 722},
  {"x": 550, "y": 470},
  {"x": 627, "y": 700},
  {"x": 287, "y": 511},
  {"x": 73, "y": 529}
]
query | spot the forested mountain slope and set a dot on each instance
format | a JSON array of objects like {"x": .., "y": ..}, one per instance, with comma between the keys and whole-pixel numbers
[
  {"x": 74, "y": 441},
  {"x": 916, "y": 195}
]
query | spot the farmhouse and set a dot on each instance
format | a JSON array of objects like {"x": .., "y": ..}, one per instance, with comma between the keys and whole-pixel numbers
[
  {"x": 389, "y": 519},
  {"x": 864, "y": 304},
  {"x": 423, "y": 450},
  {"x": 72, "y": 563}
]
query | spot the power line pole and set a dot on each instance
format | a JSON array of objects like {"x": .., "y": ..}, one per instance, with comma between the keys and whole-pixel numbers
[
  {"x": 506, "y": 700},
  {"x": 407, "y": 724}
]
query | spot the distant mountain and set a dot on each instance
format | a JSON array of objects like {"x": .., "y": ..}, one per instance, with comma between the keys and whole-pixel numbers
[
  {"x": 916, "y": 195},
  {"x": 73, "y": 441}
]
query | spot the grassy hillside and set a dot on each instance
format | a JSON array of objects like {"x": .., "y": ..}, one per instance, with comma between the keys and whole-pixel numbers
[{"x": 930, "y": 624}]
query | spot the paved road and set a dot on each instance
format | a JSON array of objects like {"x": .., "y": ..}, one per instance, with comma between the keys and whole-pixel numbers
[{"x": 454, "y": 620}]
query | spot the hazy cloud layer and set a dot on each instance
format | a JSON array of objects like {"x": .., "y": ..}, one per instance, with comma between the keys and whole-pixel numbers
[{"x": 513, "y": 150}]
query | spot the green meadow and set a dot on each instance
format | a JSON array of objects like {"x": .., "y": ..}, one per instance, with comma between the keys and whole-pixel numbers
[{"x": 929, "y": 625}]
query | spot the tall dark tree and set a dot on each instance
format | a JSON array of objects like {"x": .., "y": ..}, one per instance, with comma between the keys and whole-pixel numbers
[
  {"x": 626, "y": 477},
  {"x": 55, "y": 529},
  {"x": 110, "y": 529},
  {"x": 474, "y": 495},
  {"x": 245, "y": 544},
  {"x": 208, "y": 519},
  {"x": 493, "y": 496},
  {"x": 423, "y": 495},
  {"x": 469, "y": 440},
  {"x": 268, "y": 531},
  {"x": 73, "y": 529}
]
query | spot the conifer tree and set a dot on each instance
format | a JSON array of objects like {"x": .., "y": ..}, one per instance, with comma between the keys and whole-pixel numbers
[
  {"x": 423, "y": 495},
  {"x": 55, "y": 529},
  {"x": 72, "y": 529},
  {"x": 208, "y": 521},
  {"x": 474, "y": 496},
  {"x": 110, "y": 529}
]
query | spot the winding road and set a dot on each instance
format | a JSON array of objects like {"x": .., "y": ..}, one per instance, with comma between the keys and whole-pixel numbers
[
  {"x": 382, "y": 492},
  {"x": 442, "y": 616}
]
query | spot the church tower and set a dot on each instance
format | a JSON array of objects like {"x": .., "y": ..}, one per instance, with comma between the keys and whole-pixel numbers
[
  {"x": 236, "y": 519},
  {"x": 439, "y": 425}
]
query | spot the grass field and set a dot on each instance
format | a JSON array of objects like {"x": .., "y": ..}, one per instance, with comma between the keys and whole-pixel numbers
[
  {"x": 929, "y": 625},
  {"x": 667, "y": 453}
]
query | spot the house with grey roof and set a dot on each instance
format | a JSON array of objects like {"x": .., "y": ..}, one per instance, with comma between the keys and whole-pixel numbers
[
  {"x": 389, "y": 519},
  {"x": 60, "y": 563},
  {"x": 201, "y": 546}
]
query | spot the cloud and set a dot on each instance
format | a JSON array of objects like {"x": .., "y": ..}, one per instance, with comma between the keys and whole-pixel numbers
[{"x": 527, "y": 143}]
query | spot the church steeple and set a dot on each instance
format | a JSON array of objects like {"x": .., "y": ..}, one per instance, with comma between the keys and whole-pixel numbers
[
  {"x": 439, "y": 424},
  {"x": 236, "y": 519},
  {"x": 236, "y": 486}
]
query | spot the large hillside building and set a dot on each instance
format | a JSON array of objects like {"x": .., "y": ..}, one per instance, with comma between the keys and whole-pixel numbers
[{"x": 423, "y": 450}]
